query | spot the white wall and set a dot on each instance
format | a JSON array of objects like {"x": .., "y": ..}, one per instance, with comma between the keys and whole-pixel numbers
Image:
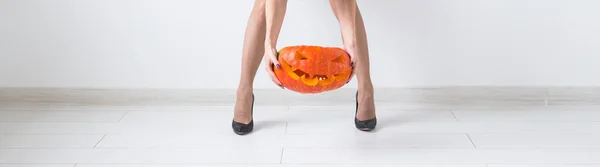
[{"x": 192, "y": 43}]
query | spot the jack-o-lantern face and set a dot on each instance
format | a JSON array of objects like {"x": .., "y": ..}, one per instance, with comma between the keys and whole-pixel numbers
[{"x": 313, "y": 69}]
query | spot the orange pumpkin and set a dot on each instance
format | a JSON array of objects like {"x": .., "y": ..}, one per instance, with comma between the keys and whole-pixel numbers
[{"x": 313, "y": 69}]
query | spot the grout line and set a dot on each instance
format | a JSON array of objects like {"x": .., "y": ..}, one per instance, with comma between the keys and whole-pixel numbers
[
  {"x": 281, "y": 157},
  {"x": 123, "y": 116},
  {"x": 452, "y": 112},
  {"x": 471, "y": 140},
  {"x": 286, "y": 122},
  {"x": 100, "y": 141}
]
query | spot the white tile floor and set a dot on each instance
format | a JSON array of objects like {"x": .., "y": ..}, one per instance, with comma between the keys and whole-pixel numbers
[{"x": 410, "y": 133}]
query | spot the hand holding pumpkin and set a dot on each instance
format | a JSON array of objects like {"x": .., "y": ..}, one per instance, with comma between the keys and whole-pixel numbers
[
  {"x": 270, "y": 60},
  {"x": 352, "y": 53}
]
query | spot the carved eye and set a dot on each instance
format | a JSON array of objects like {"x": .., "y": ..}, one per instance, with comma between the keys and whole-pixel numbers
[
  {"x": 339, "y": 59},
  {"x": 300, "y": 56}
]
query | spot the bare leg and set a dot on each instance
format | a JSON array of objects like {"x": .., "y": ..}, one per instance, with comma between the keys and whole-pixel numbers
[
  {"x": 252, "y": 54},
  {"x": 354, "y": 36}
]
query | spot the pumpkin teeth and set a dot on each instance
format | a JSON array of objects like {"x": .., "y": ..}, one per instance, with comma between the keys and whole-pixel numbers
[
  {"x": 310, "y": 82},
  {"x": 321, "y": 77},
  {"x": 327, "y": 81}
]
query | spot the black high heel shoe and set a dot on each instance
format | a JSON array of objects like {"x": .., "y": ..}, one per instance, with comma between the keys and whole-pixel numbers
[
  {"x": 242, "y": 129},
  {"x": 366, "y": 125}
]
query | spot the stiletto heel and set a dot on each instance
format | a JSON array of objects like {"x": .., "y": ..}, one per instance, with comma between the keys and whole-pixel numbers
[
  {"x": 242, "y": 129},
  {"x": 366, "y": 125}
]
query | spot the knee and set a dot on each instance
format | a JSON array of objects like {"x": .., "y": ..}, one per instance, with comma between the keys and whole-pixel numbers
[
  {"x": 260, "y": 3},
  {"x": 334, "y": 3},
  {"x": 259, "y": 7},
  {"x": 341, "y": 6}
]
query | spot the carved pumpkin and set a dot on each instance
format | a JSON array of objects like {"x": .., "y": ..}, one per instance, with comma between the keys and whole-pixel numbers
[{"x": 313, "y": 69}]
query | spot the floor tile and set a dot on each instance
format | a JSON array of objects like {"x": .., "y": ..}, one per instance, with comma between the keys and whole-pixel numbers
[
  {"x": 428, "y": 155},
  {"x": 261, "y": 114},
  {"x": 536, "y": 140},
  {"x": 48, "y": 141},
  {"x": 384, "y": 114},
  {"x": 289, "y": 140},
  {"x": 149, "y": 156},
  {"x": 199, "y": 127},
  {"x": 448, "y": 127},
  {"x": 529, "y": 115},
  {"x": 230, "y": 140},
  {"x": 68, "y": 116},
  {"x": 381, "y": 140},
  {"x": 495, "y": 107}
]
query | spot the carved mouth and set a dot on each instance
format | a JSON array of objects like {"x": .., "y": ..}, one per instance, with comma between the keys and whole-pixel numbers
[
  {"x": 302, "y": 73},
  {"x": 311, "y": 80}
]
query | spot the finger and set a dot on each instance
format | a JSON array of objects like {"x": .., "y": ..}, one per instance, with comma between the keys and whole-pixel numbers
[
  {"x": 274, "y": 60},
  {"x": 276, "y": 81},
  {"x": 353, "y": 66},
  {"x": 270, "y": 69},
  {"x": 351, "y": 75},
  {"x": 352, "y": 60},
  {"x": 268, "y": 60}
]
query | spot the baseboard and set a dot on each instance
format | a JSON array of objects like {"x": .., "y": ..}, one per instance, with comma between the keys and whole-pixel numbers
[{"x": 433, "y": 95}]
